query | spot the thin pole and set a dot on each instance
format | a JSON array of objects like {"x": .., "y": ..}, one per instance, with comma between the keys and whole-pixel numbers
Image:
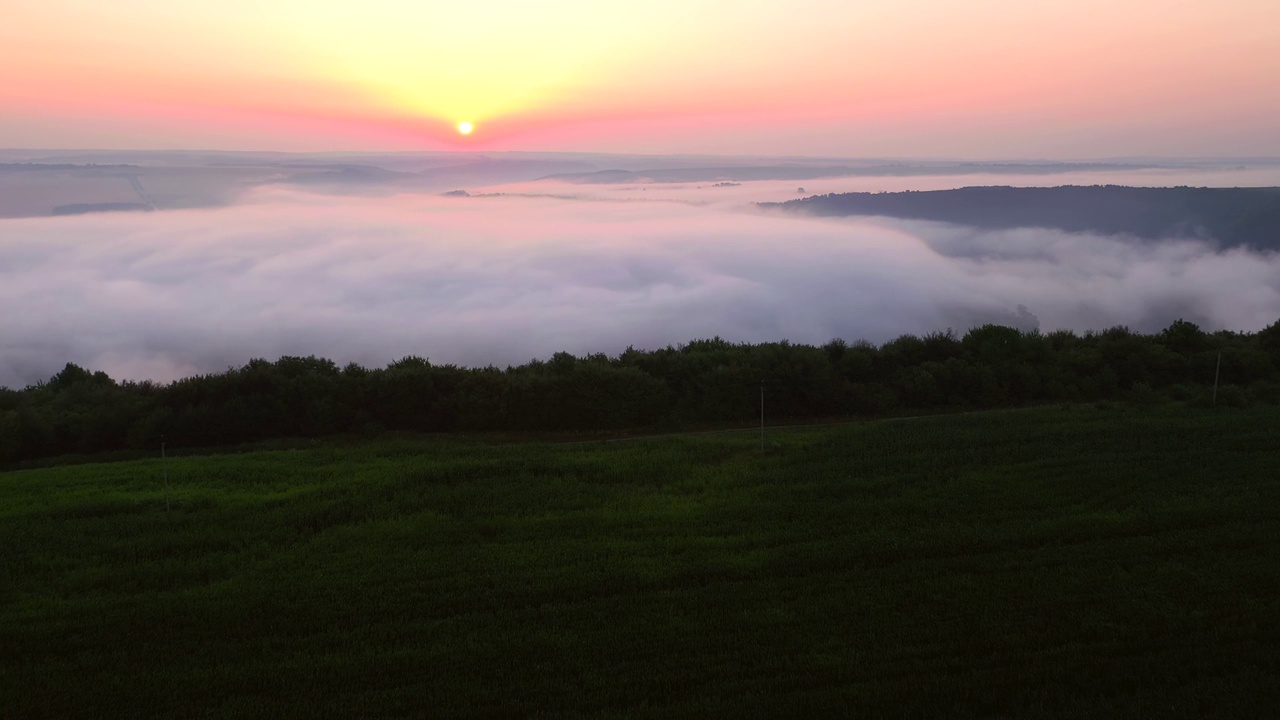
[
  {"x": 762, "y": 417},
  {"x": 1216, "y": 373},
  {"x": 164, "y": 465}
]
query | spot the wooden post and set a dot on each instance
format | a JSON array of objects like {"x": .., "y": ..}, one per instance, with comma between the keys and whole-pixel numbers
[
  {"x": 1216, "y": 373},
  {"x": 164, "y": 466}
]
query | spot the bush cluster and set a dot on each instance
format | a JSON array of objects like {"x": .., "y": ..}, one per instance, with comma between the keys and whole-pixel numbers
[{"x": 699, "y": 383}]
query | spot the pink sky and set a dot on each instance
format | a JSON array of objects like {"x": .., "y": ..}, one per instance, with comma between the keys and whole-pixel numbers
[{"x": 976, "y": 79}]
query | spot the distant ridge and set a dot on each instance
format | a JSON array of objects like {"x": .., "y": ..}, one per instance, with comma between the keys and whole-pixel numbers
[
  {"x": 1231, "y": 217},
  {"x": 808, "y": 171},
  {"x": 86, "y": 208}
]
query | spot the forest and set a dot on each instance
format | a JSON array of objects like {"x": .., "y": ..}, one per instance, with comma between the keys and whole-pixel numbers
[
  {"x": 704, "y": 383},
  {"x": 1233, "y": 217}
]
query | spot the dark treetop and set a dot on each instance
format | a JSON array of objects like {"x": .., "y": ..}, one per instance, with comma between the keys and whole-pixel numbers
[{"x": 705, "y": 382}]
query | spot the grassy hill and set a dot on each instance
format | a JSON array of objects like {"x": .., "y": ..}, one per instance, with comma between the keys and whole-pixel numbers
[{"x": 1071, "y": 562}]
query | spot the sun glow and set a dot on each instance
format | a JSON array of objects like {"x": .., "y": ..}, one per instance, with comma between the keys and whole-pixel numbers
[
  {"x": 465, "y": 127},
  {"x": 972, "y": 79}
]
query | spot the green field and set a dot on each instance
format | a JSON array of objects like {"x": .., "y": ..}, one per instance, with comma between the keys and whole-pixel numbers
[{"x": 1071, "y": 562}]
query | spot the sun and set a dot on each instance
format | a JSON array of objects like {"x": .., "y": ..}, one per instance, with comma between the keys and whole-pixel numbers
[{"x": 465, "y": 127}]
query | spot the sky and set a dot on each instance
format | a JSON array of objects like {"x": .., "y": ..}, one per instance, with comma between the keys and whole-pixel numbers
[{"x": 980, "y": 79}]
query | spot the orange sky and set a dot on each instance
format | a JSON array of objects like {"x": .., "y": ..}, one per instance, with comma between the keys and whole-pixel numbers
[{"x": 958, "y": 78}]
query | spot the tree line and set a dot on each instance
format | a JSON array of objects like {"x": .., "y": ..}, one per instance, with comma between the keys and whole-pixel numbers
[{"x": 704, "y": 382}]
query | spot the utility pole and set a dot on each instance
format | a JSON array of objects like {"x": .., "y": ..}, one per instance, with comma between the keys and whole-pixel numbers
[
  {"x": 1216, "y": 373},
  {"x": 761, "y": 416},
  {"x": 164, "y": 467}
]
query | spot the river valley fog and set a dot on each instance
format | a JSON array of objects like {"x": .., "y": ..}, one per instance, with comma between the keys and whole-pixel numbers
[{"x": 524, "y": 268}]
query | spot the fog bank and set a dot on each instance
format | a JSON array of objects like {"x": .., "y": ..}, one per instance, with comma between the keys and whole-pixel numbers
[{"x": 501, "y": 280}]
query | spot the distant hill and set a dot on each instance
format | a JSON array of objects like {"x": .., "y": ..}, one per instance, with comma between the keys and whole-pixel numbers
[
  {"x": 86, "y": 208},
  {"x": 1231, "y": 217},
  {"x": 810, "y": 171},
  {"x": 56, "y": 167}
]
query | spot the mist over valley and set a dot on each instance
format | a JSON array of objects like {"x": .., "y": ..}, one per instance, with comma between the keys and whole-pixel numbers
[{"x": 262, "y": 255}]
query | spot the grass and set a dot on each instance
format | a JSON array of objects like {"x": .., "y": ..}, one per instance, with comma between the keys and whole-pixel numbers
[{"x": 1042, "y": 563}]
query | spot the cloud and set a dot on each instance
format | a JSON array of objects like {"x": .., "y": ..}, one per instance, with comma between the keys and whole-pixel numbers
[{"x": 501, "y": 280}]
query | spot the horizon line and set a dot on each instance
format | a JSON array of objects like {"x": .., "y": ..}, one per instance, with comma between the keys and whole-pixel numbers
[{"x": 1124, "y": 159}]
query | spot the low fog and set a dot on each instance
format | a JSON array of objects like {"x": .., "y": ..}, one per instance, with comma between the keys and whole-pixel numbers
[{"x": 503, "y": 279}]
